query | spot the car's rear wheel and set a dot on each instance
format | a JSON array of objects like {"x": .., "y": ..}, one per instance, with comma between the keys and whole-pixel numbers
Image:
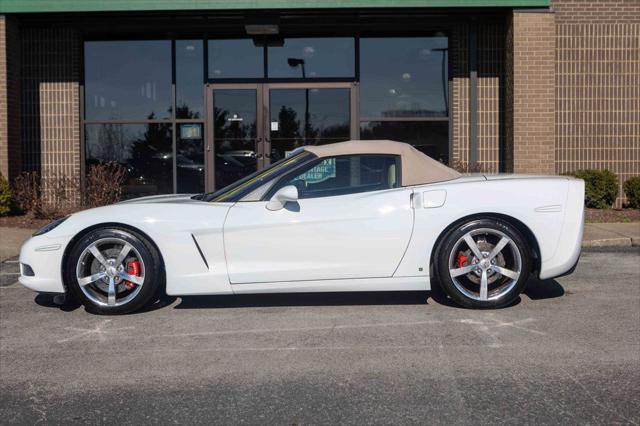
[
  {"x": 113, "y": 271},
  {"x": 484, "y": 263}
]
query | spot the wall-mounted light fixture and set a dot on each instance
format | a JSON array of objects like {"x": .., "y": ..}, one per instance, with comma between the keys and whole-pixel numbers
[{"x": 262, "y": 24}]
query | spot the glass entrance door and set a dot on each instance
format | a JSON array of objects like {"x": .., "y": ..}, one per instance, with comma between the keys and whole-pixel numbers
[
  {"x": 301, "y": 116},
  {"x": 252, "y": 125},
  {"x": 237, "y": 132}
]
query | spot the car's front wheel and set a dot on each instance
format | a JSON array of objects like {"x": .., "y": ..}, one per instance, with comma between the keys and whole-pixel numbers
[
  {"x": 113, "y": 271},
  {"x": 484, "y": 263}
]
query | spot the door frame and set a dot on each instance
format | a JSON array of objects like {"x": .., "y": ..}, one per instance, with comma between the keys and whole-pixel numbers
[{"x": 263, "y": 141}]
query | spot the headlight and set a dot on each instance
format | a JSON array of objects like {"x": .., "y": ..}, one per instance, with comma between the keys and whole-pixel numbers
[{"x": 48, "y": 227}]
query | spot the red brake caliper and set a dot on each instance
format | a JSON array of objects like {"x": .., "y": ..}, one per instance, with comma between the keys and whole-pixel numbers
[
  {"x": 133, "y": 268},
  {"x": 462, "y": 259}
]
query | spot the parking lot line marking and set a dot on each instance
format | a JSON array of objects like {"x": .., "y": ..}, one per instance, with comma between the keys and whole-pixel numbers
[
  {"x": 98, "y": 330},
  {"x": 284, "y": 330},
  {"x": 499, "y": 323}
]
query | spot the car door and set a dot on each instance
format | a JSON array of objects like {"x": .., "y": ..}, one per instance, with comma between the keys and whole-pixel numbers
[{"x": 352, "y": 220}]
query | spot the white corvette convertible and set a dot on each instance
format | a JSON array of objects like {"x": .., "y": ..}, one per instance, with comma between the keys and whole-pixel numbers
[{"x": 351, "y": 216}]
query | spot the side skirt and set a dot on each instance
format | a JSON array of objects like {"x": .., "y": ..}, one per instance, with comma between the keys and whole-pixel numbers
[{"x": 359, "y": 284}]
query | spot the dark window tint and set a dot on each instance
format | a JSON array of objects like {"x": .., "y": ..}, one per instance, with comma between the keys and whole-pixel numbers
[
  {"x": 430, "y": 137},
  {"x": 127, "y": 80},
  {"x": 313, "y": 58},
  {"x": 237, "y": 58},
  {"x": 347, "y": 174},
  {"x": 189, "y": 79},
  {"x": 190, "y": 158},
  {"x": 144, "y": 150},
  {"x": 403, "y": 77}
]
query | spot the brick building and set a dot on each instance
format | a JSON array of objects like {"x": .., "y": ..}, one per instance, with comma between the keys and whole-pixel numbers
[{"x": 191, "y": 96}]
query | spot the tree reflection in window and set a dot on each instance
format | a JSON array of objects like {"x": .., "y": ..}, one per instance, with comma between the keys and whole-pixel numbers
[{"x": 144, "y": 150}]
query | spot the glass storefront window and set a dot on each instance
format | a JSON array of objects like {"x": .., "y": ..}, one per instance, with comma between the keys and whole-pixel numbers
[
  {"x": 235, "y": 58},
  {"x": 403, "y": 77},
  {"x": 190, "y": 158},
  {"x": 402, "y": 96},
  {"x": 313, "y": 58},
  {"x": 189, "y": 79},
  {"x": 144, "y": 150},
  {"x": 127, "y": 80},
  {"x": 429, "y": 137}
]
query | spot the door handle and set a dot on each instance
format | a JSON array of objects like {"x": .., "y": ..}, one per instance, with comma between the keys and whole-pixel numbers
[{"x": 259, "y": 156}]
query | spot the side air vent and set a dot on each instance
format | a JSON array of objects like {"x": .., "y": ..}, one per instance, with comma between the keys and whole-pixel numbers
[
  {"x": 549, "y": 209},
  {"x": 26, "y": 270},
  {"x": 200, "y": 251}
]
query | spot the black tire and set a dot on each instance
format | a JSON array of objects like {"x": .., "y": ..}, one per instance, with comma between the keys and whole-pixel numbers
[
  {"x": 486, "y": 233},
  {"x": 153, "y": 278}
]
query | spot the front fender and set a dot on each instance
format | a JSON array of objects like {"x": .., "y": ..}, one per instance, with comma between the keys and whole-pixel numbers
[{"x": 173, "y": 228}]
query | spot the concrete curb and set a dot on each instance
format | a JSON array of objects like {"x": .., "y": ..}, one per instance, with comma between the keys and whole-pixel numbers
[{"x": 613, "y": 242}]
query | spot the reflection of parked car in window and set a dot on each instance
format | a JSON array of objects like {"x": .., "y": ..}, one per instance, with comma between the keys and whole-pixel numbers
[
  {"x": 239, "y": 153},
  {"x": 352, "y": 216},
  {"x": 183, "y": 162},
  {"x": 232, "y": 165},
  {"x": 433, "y": 151}
]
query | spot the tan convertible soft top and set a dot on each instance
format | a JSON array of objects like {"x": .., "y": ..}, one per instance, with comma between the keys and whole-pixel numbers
[{"x": 417, "y": 168}]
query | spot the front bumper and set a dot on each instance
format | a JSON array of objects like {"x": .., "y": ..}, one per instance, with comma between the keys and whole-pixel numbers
[{"x": 44, "y": 256}]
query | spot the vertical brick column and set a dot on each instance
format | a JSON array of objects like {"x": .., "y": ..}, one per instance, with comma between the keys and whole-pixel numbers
[
  {"x": 10, "y": 147},
  {"x": 51, "y": 108},
  {"x": 490, "y": 56},
  {"x": 530, "y": 92}
]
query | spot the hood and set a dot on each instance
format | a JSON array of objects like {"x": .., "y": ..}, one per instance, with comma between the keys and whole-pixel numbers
[{"x": 167, "y": 198}]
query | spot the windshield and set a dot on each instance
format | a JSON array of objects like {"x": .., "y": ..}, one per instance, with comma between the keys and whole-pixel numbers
[{"x": 246, "y": 185}]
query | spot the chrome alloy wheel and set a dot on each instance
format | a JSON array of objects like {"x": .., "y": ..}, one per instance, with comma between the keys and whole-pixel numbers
[
  {"x": 103, "y": 272},
  {"x": 485, "y": 264}
]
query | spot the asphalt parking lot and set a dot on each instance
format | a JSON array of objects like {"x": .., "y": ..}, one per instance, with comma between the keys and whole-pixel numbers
[{"x": 568, "y": 352}]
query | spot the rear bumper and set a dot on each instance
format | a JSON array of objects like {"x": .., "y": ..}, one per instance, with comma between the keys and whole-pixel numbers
[
  {"x": 569, "y": 247},
  {"x": 43, "y": 255}
]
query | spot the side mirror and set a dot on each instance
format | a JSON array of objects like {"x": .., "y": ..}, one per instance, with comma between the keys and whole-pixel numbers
[{"x": 282, "y": 196}]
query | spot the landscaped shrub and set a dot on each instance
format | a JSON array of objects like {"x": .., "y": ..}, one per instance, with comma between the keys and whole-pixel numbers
[
  {"x": 63, "y": 195},
  {"x": 600, "y": 187},
  {"x": 27, "y": 194},
  {"x": 632, "y": 190},
  {"x": 462, "y": 167},
  {"x": 104, "y": 184},
  {"x": 5, "y": 197}
]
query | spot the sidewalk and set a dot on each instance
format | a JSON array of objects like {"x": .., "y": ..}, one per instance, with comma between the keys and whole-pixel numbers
[
  {"x": 595, "y": 235},
  {"x": 10, "y": 241},
  {"x": 611, "y": 234}
]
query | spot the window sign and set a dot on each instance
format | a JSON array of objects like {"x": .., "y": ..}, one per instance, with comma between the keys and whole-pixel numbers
[
  {"x": 321, "y": 172},
  {"x": 190, "y": 131}
]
